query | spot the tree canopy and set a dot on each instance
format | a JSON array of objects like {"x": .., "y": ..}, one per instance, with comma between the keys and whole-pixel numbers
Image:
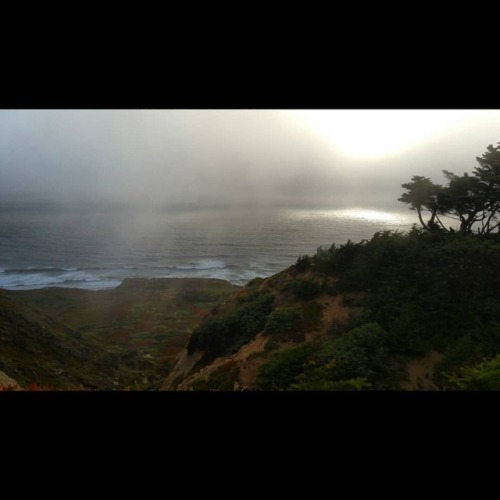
[{"x": 472, "y": 200}]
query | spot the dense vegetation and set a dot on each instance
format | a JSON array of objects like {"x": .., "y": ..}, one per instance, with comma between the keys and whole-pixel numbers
[
  {"x": 421, "y": 291},
  {"x": 226, "y": 333}
]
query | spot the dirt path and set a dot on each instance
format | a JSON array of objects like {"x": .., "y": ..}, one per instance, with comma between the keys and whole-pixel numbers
[
  {"x": 333, "y": 309},
  {"x": 421, "y": 371},
  {"x": 183, "y": 366},
  {"x": 6, "y": 381},
  {"x": 248, "y": 367}
]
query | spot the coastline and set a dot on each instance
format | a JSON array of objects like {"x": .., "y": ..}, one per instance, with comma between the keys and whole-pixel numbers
[
  {"x": 129, "y": 285},
  {"x": 37, "y": 282}
]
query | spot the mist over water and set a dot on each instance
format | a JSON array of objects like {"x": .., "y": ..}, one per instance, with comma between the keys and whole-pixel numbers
[
  {"x": 97, "y": 249},
  {"x": 84, "y": 193}
]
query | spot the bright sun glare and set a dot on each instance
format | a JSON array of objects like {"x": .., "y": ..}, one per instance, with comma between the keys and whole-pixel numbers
[
  {"x": 369, "y": 215},
  {"x": 374, "y": 133}
]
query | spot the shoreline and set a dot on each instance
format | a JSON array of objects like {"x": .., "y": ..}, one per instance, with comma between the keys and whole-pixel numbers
[{"x": 134, "y": 284}]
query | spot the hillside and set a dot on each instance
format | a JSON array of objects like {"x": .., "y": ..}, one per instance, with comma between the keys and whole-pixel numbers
[
  {"x": 241, "y": 320},
  {"x": 124, "y": 338},
  {"x": 416, "y": 311},
  {"x": 413, "y": 311},
  {"x": 37, "y": 349}
]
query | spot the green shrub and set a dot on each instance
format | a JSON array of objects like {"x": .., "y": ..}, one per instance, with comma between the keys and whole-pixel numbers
[
  {"x": 317, "y": 382},
  {"x": 271, "y": 344},
  {"x": 312, "y": 315},
  {"x": 336, "y": 328},
  {"x": 361, "y": 353},
  {"x": 348, "y": 300},
  {"x": 358, "y": 360},
  {"x": 255, "y": 281},
  {"x": 324, "y": 262},
  {"x": 306, "y": 289},
  {"x": 284, "y": 323},
  {"x": 252, "y": 296},
  {"x": 333, "y": 260},
  {"x": 481, "y": 377},
  {"x": 471, "y": 349},
  {"x": 355, "y": 319},
  {"x": 303, "y": 263},
  {"x": 212, "y": 335},
  {"x": 284, "y": 367},
  {"x": 329, "y": 288},
  {"x": 225, "y": 333},
  {"x": 221, "y": 379}
]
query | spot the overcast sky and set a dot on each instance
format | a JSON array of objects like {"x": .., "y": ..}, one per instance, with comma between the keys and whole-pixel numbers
[{"x": 303, "y": 158}]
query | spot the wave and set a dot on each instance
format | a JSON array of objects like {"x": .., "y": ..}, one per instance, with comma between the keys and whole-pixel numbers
[
  {"x": 202, "y": 265},
  {"x": 95, "y": 278},
  {"x": 75, "y": 279},
  {"x": 31, "y": 270},
  {"x": 82, "y": 280}
]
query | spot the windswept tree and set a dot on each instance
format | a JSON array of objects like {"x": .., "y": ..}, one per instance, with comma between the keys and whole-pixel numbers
[
  {"x": 488, "y": 174},
  {"x": 472, "y": 200},
  {"x": 488, "y": 170},
  {"x": 463, "y": 199},
  {"x": 422, "y": 196}
]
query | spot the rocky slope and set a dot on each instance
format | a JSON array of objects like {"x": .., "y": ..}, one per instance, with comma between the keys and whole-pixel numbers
[{"x": 314, "y": 309}]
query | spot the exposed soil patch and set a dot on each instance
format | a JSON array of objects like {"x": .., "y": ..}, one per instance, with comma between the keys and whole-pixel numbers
[
  {"x": 421, "y": 371},
  {"x": 6, "y": 381}
]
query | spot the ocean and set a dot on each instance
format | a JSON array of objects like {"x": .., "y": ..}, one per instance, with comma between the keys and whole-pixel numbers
[{"x": 98, "y": 248}]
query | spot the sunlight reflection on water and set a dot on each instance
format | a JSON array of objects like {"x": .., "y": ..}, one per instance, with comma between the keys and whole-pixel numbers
[
  {"x": 374, "y": 215},
  {"x": 353, "y": 214}
]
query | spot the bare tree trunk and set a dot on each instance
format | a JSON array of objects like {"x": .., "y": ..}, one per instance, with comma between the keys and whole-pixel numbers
[
  {"x": 419, "y": 212},
  {"x": 441, "y": 224}
]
